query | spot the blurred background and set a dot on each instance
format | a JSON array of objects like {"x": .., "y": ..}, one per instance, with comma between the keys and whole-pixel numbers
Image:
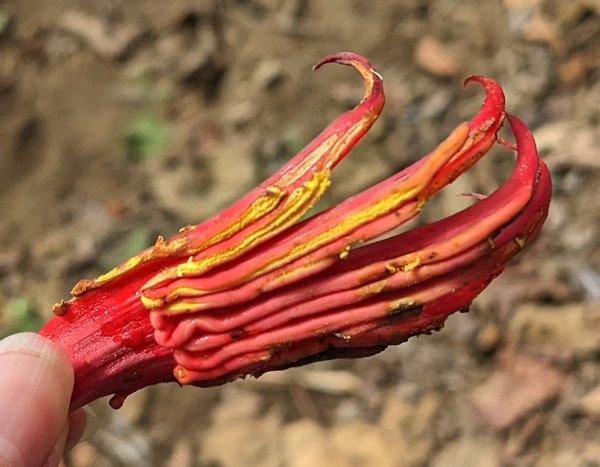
[{"x": 120, "y": 120}]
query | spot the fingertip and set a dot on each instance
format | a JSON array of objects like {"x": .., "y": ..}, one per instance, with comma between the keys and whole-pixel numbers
[
  {"x": 46, "y": 350},
  {"x": 36, "y": 386}
]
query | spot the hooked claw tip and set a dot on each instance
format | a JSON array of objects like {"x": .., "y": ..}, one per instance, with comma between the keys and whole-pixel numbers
[
  {"x": 476, "y": 78},
  {"x": 372, "y": 79},
  {"x": 345, "y": 58}
]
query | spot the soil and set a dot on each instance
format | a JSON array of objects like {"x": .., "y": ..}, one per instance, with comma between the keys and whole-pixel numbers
[{"x": 120, "y": 120}]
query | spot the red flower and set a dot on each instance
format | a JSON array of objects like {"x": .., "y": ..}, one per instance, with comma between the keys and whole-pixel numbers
[{"x": 254, "y": 289}]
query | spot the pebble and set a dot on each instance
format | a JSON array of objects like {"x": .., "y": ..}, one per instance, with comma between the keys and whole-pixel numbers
[
  {"x": 487, "y": 339},
  {"x": 435, "y": 58},
  {"x": 267, "y": 74},
  {"x": 519, "y": 385},
  {"x": 304, "y": 443},
  {"x": 590, "y": 403},
  {"x": 315, "y": 378},
  {"x": 468, "y": 451},
  {"x": 240, "y": 113},
  {"x": 582, "y": 151},
  {"x": 181, "y": 456},
  {"x": 362, "y": 444},
  {"x": 109, "y": 41},
  {"x": 241, "y": 433},
  {"x": 562, "y": 333}
]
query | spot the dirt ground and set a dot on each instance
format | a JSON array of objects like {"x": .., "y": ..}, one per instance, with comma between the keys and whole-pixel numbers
[{"x": 120, "y": 120}]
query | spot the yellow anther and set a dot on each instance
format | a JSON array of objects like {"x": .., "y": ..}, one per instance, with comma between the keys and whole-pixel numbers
[{"x": 411, "y": 265}]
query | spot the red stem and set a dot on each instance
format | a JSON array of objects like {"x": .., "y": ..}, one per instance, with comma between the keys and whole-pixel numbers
[{"x": 108, "y": 334}]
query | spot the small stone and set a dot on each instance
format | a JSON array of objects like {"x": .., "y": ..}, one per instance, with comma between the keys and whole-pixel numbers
[
  {"x": 563, "y": 333},
  {"x": 84, "y": 454},
  {"x": 237, "y": 405},
  {"x": 565, "y": 456},
  {"x": 591, "y": 453},
  {"x": 590, "y": 403},
  {"x": 107, "y": 40},
  {"x": 240, "y": 432},
  {"x": 408, "y": 424},
  {"x": 331, "y": 381},
  {"x": 241, "y": 113},
  {"x": 267, "y": 74},
  {"x": 520, "y": 385},
  {"x": 198, "y": 66},
  {"x": 575, "y": 67},
  {"x": 540, "y": 29},
  {"x": 304, "y": 443},
  {"x": 314, "y": 378},
  {"x": 181, "y": 456},
  {"x": 583, "y": 149},
  {"x": 435, "y": 58},
  {"x": 481, "y": 452},
  {"x": 361, "y": 444},
  {"x": 487, "y": 339},
  {"x": 349, "y": 409}
]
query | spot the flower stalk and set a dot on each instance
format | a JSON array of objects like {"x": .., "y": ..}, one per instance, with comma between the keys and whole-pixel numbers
[{"x": 253, "y": 289}]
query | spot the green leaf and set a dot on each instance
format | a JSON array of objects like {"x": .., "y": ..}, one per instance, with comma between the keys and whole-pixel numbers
[
  {"x": 133, "y": 243},
  {"x": 21, "y": 316},
  {"x": 4, "y": 21},
  {"x": 146, "y": 136}
]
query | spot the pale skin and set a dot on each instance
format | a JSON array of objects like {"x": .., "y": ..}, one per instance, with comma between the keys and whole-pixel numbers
[{"x": 36, "y": 383}]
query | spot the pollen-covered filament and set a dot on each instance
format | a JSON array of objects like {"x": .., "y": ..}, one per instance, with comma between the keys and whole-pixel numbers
[
  {"x": 271, "y": 207},
  {"x": 227, "y": 315},
  {"x": 339, "y": 226},
  {"x": 380, "y": 287},
  {"x": 254, "y": 289},
  {"x": 307, "y": 292}
]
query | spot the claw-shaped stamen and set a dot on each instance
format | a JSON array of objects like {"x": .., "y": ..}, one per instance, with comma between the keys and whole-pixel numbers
[
  {"x": 382, "y": 285},
  {"x": 318, "y": 242},
  {"x": 252, "y": 289},
  {"x": 271, "y": 207}
]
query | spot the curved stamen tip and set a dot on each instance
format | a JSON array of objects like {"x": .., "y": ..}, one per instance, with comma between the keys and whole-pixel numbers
[
  {"x": 492, "y": 110},
  {"x": 474, "y": 78},
  {"x": 345, "y": 58},
  {"x": 373, "y": 80},
  {"x": 491, "y": 86}
]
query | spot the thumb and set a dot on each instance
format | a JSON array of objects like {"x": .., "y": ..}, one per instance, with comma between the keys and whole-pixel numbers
[{"x": 36, "y": 381}]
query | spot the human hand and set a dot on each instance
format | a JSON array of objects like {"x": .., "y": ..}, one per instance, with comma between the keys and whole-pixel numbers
[{"x": 36, "y": 382}]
